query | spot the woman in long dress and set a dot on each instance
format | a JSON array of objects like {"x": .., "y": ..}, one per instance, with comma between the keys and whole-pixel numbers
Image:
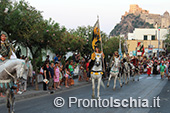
[{"x": 149, "y": 69}]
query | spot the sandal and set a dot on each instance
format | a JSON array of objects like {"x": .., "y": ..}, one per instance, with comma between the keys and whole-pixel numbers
[
  {"x": 67, "y": 86},
  {"x": 59, "y": 87}
]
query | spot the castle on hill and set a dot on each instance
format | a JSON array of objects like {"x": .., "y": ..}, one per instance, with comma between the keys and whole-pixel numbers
[{"x": 157, "y": 20}]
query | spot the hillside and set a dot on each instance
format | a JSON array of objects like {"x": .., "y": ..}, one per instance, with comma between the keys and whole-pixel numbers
[{"x": 128, "y": 24}]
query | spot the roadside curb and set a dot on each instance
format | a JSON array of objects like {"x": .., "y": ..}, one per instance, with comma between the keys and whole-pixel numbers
[{"x": 40, "y": 93}]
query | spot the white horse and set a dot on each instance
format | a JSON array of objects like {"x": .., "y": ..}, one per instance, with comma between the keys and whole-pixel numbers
[
  {"x": 132, "y": 71},
  {"x": 136, "y": 72},
  {"x": 10, "y": 71},
  {"x": 114, "y": 73},
  {"x": 96, "y": 73},
  {"x": 25, "y": 76},
  {"x": 125, "y": 73}
]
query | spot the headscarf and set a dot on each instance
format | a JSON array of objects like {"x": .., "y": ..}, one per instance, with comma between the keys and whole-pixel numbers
[
  {"x": 6, "y": 41},
  {"x": 7, "y": 44}
]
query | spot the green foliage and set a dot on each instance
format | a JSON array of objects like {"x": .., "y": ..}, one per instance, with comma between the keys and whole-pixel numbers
[
  {"x": 112, "y": 45},
  {"x": 26, "y": 25},
  {"x": 167, "y": 42},
  {"x": 86, "y": 34}
]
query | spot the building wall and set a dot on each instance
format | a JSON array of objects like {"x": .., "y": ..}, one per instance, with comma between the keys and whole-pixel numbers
[
  {"x": 165, "y": 22},
  {"x": 132, "y": 44},
  {"x": 138, "y": 34},
  {"x": 130, "y": 36}
]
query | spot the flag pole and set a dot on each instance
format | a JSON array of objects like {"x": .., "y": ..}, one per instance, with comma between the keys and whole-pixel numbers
[{"x": 101, "y": 46}]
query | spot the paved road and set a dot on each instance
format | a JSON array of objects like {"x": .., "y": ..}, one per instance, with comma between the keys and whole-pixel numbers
[{"x": 146, "y": 88}]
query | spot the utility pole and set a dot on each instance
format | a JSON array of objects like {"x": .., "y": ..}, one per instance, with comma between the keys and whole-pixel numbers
[{"x": 158, "y": 40}]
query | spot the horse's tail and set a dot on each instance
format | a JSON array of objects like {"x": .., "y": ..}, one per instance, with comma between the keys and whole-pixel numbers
[{"x": 102, "y": 84}]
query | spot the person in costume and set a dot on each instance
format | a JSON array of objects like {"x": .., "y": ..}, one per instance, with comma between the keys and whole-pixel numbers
[
  {"x": 135, "y": 62},
  {"x": 115, "y": 56},
  {"x": 127, "y": 58},
  {"x": 149, "y": 69},
  {"x": 6, "y": 49},
  {"x": 97, "y": 50}
]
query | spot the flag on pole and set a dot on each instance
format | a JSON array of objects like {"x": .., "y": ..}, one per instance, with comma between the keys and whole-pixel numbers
[
  {"x": 96, "y": 35},
  {"x": 120, "y": 50},
  {"x": 140, "y": 48},
  {"x": 120, "y": 53},
  {"x": 125, "y": 47}
]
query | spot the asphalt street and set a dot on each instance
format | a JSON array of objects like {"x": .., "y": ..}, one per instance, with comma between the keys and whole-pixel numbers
[{"x": 146, "y": 88}]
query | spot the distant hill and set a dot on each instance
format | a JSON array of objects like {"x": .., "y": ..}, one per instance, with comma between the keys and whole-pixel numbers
[{"x": 128, "y": 24}]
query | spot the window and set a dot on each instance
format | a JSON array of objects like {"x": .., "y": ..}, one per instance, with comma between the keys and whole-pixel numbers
[
  {"x": 145, "y": 37},
  {"x": 153, "y": 37}
]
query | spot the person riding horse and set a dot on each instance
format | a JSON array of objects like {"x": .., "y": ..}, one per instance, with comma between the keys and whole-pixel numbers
[
  {"x": 6, "y": 49},
  {"x": 115, "y": 57},
  {"x": 135, "y": 62},
  {"x": 96, "y": 68},
  {"x": 115, "y": 70},
  {"x": 93, "y": 55},
  {"x": 127, "y": 58}
]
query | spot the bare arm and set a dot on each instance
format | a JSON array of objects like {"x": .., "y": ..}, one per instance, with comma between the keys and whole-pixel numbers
[
  {"x": 45, "y": 74},
  {"x": 49, "y": 74}
]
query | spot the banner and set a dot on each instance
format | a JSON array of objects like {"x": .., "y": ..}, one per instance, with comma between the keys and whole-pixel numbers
[
  {"x": 96, "y": 35},
  {"x": 140, "y": 48}
]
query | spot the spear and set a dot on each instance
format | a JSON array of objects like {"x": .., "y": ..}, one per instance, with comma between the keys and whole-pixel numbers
[{"x": 101, "y": 47}]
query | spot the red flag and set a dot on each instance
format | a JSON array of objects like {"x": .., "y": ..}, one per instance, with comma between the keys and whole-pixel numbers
[{"x": 140, "y": 48}]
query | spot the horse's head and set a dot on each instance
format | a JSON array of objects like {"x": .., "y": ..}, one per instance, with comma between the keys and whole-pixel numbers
[
  {"x": 23, "y": 69},
  {"x": 30, "y": 69},
  {"x": 98, "y": 60},
  {"x": 116, "y": 63}
]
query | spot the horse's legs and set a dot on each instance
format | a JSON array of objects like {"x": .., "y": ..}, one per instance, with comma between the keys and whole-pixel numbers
[
  {"x": 109, "y": 80},
  {"x": 115, "y": 79},
  {"x": 123, "y": 78},
  {"x": 7, "y": 101},
  {"x": 12, "y": 101},
  {"x": 138, "y": 75},
  {"x": 8, "y": 106},
  {"x": 93, "y": 87},
  {"x": 120, "y": 81},
  {"x": 133, "y": 75},
  {"x": 128, "y": 74},
  {"x": 98, "y": 87},
  {"x": 126, "y": 78}
]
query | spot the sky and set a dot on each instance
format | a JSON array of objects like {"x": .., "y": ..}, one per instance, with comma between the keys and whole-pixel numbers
[{"x": 74, "y": 13}]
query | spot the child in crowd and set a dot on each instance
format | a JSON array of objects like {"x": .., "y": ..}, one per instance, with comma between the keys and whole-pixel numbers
[
  {"x": 56, "y": 75},
  {"x": 162, "y": 69},
  {"x": 149, "y": 69},
  {"x": 67, "y": 73}
]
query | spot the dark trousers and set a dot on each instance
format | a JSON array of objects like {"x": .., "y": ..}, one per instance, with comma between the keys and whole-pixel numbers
[{"x": 44, "y": 86}]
